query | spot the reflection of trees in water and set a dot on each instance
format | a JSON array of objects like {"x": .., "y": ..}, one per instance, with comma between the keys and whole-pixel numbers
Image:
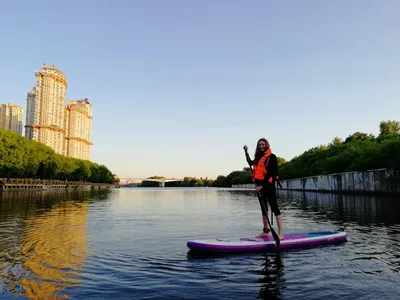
[
  {"x": 363, "y": 209},
  {"x": 42, "y": 240},
  {"x": 271, "y": 280},
  {"x": 23, "y": 204}
]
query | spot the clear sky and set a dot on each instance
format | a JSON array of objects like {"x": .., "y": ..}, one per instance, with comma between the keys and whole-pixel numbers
[{"x": 178, "y": 87}]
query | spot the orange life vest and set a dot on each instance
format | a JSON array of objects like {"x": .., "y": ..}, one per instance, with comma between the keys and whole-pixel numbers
[{"x": 260, "y": 170}]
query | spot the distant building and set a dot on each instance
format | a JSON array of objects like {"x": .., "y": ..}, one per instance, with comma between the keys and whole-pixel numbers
[
  {"x": 31, "y": 113},
  {"x": 67, "y": 129},
  {"x": 46, "y": 109},
  {"x": 11, "y": 117},
  {"x": 78, "y": 129}
]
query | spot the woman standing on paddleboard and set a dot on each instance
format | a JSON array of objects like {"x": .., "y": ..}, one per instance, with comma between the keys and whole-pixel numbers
[{"x": 265, "y": 175}]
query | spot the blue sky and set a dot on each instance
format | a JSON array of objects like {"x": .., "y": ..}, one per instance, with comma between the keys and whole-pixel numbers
[{"x": 178, "y": 87}]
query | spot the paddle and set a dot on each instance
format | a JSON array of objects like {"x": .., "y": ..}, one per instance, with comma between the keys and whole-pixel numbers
[{"x": 274, "y": 235}]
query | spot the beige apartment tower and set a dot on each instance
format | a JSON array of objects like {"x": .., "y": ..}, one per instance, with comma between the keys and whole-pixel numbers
[
  {"x": 78, "y": 129},
  {"x": 46, "y": 109},
  {"x": 11, "y": 117}
]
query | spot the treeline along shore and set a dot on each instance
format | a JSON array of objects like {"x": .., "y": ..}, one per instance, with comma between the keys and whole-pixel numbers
[
  {"x": 21, "y": 158},
  {"x": 358, "y": 152}
]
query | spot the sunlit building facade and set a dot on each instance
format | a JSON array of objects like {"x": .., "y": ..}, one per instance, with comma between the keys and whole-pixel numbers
[
  {"x": 78, "y": 129},
  {"x": 11, "y": 117},
  {"x": 46, "y": 109}
]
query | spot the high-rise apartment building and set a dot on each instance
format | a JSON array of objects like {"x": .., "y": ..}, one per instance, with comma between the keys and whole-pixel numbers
[
  {"x": 31, "y": 113},
  {"x": 67, "y": 129},
  {"x": 46, "y": 109},
  {"x": 11, "y": 117},
  {"x": 78, "y": 130}
]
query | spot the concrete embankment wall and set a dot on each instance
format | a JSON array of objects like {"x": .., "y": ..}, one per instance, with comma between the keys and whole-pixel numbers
[{"x": 371, "y": 181}]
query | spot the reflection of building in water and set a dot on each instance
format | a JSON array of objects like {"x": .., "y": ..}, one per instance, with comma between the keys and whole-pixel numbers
[{"x": 53, "y": 248}]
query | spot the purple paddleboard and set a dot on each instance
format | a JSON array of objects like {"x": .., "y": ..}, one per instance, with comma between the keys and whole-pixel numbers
[{"x": 248, "y": 244}]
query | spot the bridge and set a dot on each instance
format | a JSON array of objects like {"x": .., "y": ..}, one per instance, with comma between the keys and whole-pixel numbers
[{"x": 136, "y": 181}]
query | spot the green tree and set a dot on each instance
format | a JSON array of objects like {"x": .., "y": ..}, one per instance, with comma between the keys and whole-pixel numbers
[
  {"x": 388, "y": 129},
  {"x": 20, "y": 158},
  {"x": 336, "y": 141},
  {"x": 358, "y": 136},
  {"x": 221, "y": 181},
  {"x": 281, "y": 160}
]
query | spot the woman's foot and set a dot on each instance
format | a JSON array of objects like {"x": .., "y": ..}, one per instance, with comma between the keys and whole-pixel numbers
[
  {"x": 281, "y": 236},
  {"x": 264, "y": 234}
]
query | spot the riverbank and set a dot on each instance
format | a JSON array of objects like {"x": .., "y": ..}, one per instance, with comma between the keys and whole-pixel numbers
[
  {"x": 379, "y": 181},
  {"x": 37, "y": 184}
]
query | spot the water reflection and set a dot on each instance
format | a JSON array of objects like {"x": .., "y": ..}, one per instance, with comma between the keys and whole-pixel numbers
[
  {"x": 363, "y": 209},
  {"x": 272, "y": 277},
  {"x": 42, "y": 241},
  {"x": 373, "y": 224},
  {"x": 269, "y": 271},
  {"x": 53, "y": 248}
]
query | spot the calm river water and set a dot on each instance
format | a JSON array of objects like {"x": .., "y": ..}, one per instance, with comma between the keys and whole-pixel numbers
[{"x": 130, "y": 243}]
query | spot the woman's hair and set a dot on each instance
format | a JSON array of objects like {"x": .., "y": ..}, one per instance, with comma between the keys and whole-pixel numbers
[{"x": 258, "y": 154}]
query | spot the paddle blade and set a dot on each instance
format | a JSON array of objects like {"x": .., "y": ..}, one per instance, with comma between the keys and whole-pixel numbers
[
  {"x": 274, "y": 235},
  {"x": 276, "y": 238}
]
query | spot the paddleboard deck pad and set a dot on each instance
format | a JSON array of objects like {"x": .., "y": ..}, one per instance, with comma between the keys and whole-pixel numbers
[{"x": 248, "y": 244}]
